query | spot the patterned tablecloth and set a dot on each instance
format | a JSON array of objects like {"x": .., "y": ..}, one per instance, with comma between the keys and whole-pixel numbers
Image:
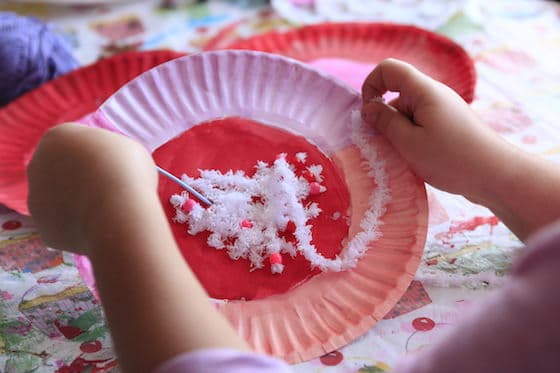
[{"x": 51, "y": 322}]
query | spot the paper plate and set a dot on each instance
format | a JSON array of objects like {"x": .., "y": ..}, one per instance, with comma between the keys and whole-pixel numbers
[
  {"x": 350, "y": 51},
  {"x": 68, "y": 98},
  {"x": 332, "y": 308}
]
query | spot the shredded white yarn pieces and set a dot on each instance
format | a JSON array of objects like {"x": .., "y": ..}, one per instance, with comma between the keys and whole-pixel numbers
[{"x": 248, "y": 213}]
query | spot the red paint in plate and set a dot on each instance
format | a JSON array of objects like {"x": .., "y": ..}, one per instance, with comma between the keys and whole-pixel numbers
[{"x": 248, "y": 142}]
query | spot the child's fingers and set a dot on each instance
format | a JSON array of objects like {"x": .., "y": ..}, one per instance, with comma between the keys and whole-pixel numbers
[
  {"x": 397, "y": 76},
  {"x": 398, "y": 129},
  {"x": 400, "y": 104}
]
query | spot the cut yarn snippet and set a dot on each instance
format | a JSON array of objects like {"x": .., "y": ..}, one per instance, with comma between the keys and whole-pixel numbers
[{"x": 31, "y": 53}]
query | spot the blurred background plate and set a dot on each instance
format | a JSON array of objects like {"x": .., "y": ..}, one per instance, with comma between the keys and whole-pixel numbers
[{"x": 349, "y": 51}]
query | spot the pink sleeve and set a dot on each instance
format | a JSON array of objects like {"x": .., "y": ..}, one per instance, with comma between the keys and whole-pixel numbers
[
  {"x": 222, "y": 360},
  {"x": 516, "y": 331}
]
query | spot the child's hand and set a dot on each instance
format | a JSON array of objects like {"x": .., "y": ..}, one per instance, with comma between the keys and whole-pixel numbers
[
  {"x": 434, "y": 130},
  {"x": 82, "y": 178},
  {"x": 449, "y": 147},
  {"x": 94, "y": 192}
]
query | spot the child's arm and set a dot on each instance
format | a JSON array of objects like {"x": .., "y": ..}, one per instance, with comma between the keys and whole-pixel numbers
[
  {"x": 94, "y": 192},
  {"x": 446, "y": 144}
]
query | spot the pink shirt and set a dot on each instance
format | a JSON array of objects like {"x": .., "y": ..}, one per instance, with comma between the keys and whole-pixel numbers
[{"x": 515, "y": 331}]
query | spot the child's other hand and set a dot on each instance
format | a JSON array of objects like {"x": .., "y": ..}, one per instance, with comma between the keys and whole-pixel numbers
[
  {"x": 94, "y": 192},
  {"x": 81, "y": 179},
  {"x": 433, "y": 129}
]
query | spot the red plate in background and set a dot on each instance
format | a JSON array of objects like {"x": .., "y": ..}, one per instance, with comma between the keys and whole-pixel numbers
[{"x": 349, "y": 51}]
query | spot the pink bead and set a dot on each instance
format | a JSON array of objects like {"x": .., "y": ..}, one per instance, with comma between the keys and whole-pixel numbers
[
  {"x": 189, "y": 205},
  {"x": 246, "y": 223},
  {"x": 314, "y": 188},
  {"x": 275, "y": 258}
]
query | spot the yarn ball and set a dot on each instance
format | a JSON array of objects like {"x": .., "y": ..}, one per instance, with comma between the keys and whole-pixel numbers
[{"x": 30, "y": 55}]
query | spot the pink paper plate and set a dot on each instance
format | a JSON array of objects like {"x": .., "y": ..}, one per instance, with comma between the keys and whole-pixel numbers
[
  {"x": 350, "y": 51},
  {"x": 331, "y": 309},
  {"x": 68, "y": 98}
]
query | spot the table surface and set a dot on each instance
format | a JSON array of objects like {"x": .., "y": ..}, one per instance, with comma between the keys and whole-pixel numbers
[{"x": 49, "y": 319}]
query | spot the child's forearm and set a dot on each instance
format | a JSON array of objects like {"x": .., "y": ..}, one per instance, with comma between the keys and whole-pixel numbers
[
  {"x": 154, "y": 304},
  {"x": 524, "y": 193}
]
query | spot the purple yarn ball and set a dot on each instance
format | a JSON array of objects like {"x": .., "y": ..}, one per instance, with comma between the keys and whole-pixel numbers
[{"x": 30, "y": 55}]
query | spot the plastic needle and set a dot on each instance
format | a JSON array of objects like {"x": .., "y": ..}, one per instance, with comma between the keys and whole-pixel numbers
[{"x": 187, "y": 187}]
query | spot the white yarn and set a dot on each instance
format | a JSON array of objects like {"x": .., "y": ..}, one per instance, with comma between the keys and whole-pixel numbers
[
  {"x": 270, "y": 199},
  {"x": 316, "y": 171},
  {"x": 277, "y": 268},
  {"x": 301, "y": 157}
]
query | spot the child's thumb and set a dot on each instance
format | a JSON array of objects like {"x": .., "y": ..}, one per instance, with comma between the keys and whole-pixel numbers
[{"x": 389, "y": 121}]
